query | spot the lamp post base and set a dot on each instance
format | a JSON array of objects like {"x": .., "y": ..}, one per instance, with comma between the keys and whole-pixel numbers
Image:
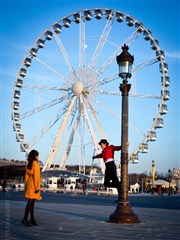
[{"x": 124, "y": 214}]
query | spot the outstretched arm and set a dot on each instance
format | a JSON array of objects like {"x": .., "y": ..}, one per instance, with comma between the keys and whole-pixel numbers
[
  {"x": 26, "y": 177},
  {"x": 117, "y": 148},
  {"x": 97, "y": 156},
  {"x": 37, "y": 179}
]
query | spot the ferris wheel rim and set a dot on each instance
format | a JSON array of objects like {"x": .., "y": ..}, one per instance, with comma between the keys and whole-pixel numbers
[{"x": 160, "y": 58}]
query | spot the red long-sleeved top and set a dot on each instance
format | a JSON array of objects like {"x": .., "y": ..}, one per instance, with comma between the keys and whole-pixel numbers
[{"x": 108, "y": 152}]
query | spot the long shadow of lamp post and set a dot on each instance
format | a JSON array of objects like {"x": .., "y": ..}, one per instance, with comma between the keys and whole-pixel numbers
[{"x": 124, "y": 213}]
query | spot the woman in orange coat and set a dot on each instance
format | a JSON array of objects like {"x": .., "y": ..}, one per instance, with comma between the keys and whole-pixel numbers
[{"x": 31, "y": 187}]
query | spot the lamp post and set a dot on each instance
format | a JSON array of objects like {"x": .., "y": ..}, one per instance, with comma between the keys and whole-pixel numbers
[
  {"x": 124, "y": 213},
  {"x": 169, "y": 178},
  {"x": 153, "y": 175}
]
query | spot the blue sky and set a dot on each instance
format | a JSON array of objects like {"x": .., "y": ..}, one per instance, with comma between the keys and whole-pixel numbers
[{"x": 23, "y": 21}]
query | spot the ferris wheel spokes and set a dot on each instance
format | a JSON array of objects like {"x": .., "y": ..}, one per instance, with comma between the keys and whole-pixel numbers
[
  {"x": 138, "y": 95},
  {"x": 47, "y": 127},
  {"x": 53, "y": 70},
  {"x": 65, "y": 55},
  {"x": 131, "y": 38},
  {"x": 101, "y": 43},
  {"x": 145, "y": 64},
  {"x": 43, "y": 107},
  {"x": 108, "y": 79},
  {"x": 103, "y": 92},
  {"x": 63, "y": 89},
  {"x": 118, "y": 116},
  {"x": 82, "y": 44},
  {"x": 145, "y": 96},
  {"x": 103, "y": 81},
  {"x": 108, "y": 63},
  {"x": 105, "y": 107}
]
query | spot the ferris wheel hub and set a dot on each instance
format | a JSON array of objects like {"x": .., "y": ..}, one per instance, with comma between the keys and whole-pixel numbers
[{"x": 77, "y": 88}]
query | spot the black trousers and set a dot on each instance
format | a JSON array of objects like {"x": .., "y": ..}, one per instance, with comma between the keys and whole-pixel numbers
[{"x": 111, "y": 179}]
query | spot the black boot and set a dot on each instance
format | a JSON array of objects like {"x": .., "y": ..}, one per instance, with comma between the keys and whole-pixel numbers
[
  {"x": 27, "y": 210},
  {"x": 26, "y": 222},
  {"x": 32, "y": 219},
  {"x": 33, "y": 222}
]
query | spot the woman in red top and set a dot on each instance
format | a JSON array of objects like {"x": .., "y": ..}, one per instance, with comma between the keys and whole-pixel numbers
[{"x": 111, "y": 178}]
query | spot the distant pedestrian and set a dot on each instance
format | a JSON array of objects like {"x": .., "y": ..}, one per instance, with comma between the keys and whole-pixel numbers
[
  {"x": 4, "y": 185},
  {"x": 84, "y": 186},
  {"x": 108, "y": 157},
  {"x": 31, "y": 187}
]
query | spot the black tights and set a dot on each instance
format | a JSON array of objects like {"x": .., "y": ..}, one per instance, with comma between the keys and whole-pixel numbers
[
  {"x": 111, "y": 174},
  {"x": 29, "y": 209}
]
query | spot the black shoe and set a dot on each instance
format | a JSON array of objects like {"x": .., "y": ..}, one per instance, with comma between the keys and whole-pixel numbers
[
  {"x": 33, "y": 222},
  {"x": 26, "y": 223}
]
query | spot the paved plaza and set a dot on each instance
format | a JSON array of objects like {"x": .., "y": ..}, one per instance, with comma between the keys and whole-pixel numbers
[{"x": 74, "y": 217}]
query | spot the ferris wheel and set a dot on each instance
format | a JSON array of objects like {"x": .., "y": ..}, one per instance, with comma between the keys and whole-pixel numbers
[{"x": 65, "y": 96}]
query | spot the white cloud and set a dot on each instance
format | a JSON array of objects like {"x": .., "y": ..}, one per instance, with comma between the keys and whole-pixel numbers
[{"x": 175, "y": 55}]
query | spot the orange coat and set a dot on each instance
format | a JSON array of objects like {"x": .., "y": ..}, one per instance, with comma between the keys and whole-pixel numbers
[{"x": 32, "y": 182}]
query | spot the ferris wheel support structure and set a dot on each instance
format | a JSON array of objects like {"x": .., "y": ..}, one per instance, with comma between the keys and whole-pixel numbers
[
  {"x": 62, "y": 165},
  {"x": 59, "y": 134},
  {"x": 93, "y": 135}
]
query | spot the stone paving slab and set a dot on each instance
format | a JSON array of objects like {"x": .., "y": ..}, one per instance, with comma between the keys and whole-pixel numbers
[{"x": 85, "y": 222}]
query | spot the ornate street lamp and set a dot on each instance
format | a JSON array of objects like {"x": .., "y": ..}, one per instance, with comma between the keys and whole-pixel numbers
[
  {"x": 125, "y": 61},
  {"x": 124, "y": 213}
]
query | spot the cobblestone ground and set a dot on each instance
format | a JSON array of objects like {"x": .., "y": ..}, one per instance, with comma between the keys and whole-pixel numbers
[{"x": 85, "y": 222}]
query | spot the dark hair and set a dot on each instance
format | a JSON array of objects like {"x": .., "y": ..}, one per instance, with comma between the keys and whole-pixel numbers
[
  {"x": 32, "y": 157},
  {"x": 104, "y": 141}
]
